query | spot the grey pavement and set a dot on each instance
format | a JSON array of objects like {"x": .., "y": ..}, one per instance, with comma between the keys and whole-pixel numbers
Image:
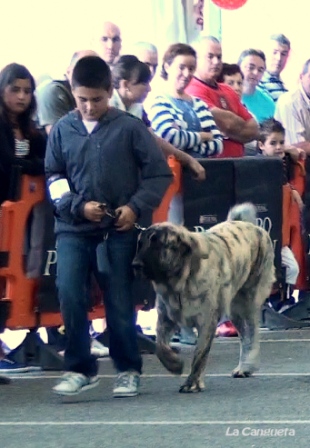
[{"x": 269, "y": 410}]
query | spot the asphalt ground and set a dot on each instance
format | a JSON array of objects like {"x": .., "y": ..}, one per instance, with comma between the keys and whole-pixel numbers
[{"x": 268, "y": 410}]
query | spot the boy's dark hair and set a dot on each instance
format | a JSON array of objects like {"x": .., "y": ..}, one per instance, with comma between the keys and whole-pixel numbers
[
  {"x": 267, "y": 127},
  {"x": 252, "y": 52},
  {"x": 229, "y": 70},
  {"x": 8, "y": 75},
  {"x": 92, "y": 72},
  {"x": 130, "y": 68},
  {"x": 172, "y": 52}
]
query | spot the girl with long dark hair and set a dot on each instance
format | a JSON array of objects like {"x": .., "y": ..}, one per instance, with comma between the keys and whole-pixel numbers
[
  {"x": 21, "y": 144},
  {"x": 22, "y": 150}
]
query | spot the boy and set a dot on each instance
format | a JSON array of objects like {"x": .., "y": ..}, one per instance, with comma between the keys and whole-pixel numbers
[
  {"x": 103, "y": 169},
  {"x": 232, "y": 76},
  {"x": 271, "y": 143}
]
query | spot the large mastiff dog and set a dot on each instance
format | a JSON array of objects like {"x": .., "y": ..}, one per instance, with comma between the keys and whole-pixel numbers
[{"x": 200, "y": 276}]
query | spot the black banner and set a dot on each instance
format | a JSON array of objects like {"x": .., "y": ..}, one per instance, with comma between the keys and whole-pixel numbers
[
  {"x": 233, "y": 181},
  {"x": 229, "y": 181}
]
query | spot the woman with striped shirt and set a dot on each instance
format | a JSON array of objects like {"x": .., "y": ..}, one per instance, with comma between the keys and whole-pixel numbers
[{"x": 183, "y": 120}]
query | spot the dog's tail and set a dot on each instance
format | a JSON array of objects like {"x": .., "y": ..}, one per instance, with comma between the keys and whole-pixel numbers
[{"x": 243, "y": 212}]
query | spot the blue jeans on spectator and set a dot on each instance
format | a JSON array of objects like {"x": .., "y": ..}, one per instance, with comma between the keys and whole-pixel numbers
[{"x": 110, "y": 262}]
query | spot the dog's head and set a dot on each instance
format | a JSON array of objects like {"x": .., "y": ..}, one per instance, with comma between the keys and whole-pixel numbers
[{"x": 165, "y": 251}]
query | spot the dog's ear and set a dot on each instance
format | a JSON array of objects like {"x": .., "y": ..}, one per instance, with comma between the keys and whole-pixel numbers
[
  {"x": 192, "y": 248},
  {"x": 201, "y": 248},
  {"x": 184, "y": 245}
]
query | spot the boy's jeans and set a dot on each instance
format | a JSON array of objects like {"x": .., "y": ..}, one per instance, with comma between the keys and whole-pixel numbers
[{"x": 76, "y": 257}]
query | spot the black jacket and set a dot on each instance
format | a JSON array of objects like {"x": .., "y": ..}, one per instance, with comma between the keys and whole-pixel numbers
[
  {"x": 32, "y": 164},
  {"x": 119, "y": 163}
]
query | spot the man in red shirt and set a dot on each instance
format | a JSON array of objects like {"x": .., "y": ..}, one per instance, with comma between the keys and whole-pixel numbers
[{"x": 232, "y": 118}]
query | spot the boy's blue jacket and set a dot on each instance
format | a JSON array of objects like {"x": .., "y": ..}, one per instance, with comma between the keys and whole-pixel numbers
[{"x": 119, "y": 163}]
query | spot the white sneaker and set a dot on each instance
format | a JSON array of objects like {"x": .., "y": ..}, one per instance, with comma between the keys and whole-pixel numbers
[
  {"x": 99, "y": 350},
  {"x": 126, "y": 384},
  {"x": 96, "y": 348},
  {"x": 73, "y": 383}
]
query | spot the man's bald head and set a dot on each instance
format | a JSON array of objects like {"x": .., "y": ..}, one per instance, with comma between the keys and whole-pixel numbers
[
  {"x": 110, "y": 42},
  {"x": 76, "y": 57},
  {"x": 147, "y": 53},
  {"x": 209, "y": 58}
]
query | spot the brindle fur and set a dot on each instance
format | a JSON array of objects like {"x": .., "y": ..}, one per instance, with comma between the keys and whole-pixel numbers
[{"x": 200, "y": 276}]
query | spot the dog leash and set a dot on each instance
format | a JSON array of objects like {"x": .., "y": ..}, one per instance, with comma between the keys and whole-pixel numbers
[{"x": 112, "y": 214}]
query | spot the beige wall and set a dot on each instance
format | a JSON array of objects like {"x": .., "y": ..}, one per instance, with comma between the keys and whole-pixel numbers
[
  {"x": 43, "y": 34},
  {"x": 251, "y": 25}
]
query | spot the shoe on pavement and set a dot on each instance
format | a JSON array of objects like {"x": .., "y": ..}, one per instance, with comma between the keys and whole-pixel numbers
[
  {"x": 99, "y": 350},
  {"x": 96, "y": 349},
  {"x": 126, "y": 384},
  {"x": 73, "y": 383},
  {"x": 8, "y": 366},
  {"x": 188, "y": 336},
  {"x": 4, "y": 380}
]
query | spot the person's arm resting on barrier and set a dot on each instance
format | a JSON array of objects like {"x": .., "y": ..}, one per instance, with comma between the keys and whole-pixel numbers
[
  {"x": 185, "y": 159},
  {"x": 156, "y": 175},
  {"x": 181, "y": 156}
]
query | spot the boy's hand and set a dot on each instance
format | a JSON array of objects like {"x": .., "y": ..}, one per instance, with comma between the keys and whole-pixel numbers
[
  {"x": 197, "y": 169},
  {"x": 94, "y": 211},
  {"x": 126, "y": 218}
]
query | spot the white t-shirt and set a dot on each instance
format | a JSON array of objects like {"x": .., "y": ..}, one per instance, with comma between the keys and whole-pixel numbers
[{"x": 90, "y": 125}]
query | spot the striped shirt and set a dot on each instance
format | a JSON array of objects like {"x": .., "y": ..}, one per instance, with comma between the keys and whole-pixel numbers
[
  {"x": 293, "y": 111},
  {"x": 273, "y": 85},
  {"x": 22, "y": 148},
  {"x": 168, "y": 122}
]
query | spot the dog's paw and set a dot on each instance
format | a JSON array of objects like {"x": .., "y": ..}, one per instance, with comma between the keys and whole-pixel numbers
[
  {"x": 239, "y": 373},
  {"x": 192, "y": 386},
  {"x": 170, "y": 359}
]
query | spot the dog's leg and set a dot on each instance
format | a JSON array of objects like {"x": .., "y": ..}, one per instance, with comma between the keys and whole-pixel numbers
[
  {"x": 206, "y": 331},
  {"x": 245, "y": 317},
  {"x": 165, "y": 329}
]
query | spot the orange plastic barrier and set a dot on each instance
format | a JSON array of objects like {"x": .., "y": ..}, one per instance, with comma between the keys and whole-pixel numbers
[
  {"x": 161, "y": 213},
  {"x": 296, "y": 238},
  {"x": 20, "y": 290}
]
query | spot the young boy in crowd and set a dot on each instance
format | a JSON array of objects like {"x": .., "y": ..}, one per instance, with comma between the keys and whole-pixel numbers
[
  {"x": 232, "y": 76},
  {"x": 103, "y": 170},
  {"x": 271, "y": 143}
]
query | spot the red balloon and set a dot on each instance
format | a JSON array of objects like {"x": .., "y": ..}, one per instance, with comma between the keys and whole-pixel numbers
[{"x": 229, "y": 4}]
